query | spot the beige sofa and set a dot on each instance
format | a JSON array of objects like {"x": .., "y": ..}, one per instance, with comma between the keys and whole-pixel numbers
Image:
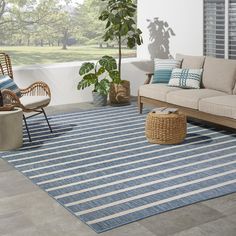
[{"x": 214, "y": 102}]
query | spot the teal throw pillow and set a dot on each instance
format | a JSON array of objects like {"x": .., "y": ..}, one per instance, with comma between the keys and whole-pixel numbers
[
  {"x": 163, "y": 69},
  {"x": 7, "y": 83}
]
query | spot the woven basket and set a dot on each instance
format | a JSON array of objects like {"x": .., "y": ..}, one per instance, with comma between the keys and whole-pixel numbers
[
  {"x": 120, "y": 93},
  {"x": 166, "y": 128}
]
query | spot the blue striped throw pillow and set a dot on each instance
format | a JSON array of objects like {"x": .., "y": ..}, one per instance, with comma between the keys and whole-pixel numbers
[
  {"x": 186, "y": 78},
  {"x": 7, "y": 83},
  {"x": 163, "y": 69}
]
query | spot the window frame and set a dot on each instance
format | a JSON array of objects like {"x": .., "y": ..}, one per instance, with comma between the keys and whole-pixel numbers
[{"x": 225, "y": 36}]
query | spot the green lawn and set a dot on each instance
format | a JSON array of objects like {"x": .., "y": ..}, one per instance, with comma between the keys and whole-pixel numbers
[{"x": 46, "y": 55}]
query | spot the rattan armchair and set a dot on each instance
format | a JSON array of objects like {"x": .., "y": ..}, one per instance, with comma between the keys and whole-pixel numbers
[{"x": 34, "y": 98}]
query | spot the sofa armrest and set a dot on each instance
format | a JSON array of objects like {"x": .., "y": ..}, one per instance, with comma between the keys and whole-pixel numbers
[{"x": 149, "y": 77}]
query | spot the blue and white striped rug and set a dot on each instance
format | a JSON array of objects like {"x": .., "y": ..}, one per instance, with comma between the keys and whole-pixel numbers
[{"x": 99, "y": 165}]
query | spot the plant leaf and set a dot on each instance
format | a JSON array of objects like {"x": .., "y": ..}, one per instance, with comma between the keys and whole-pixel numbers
[
  {"x": 124, "y": 29},
  {"x": 131, "y": 42},
  {"x": 86, "y": 68},
  {"x": 100, "y": 71},
  {"x": 104, "y": 15},
  {"x": 91, "y": 78},
  {"x": 115, "y": 76},
  {"x": 83, "y": 84},
  {"x": 108, "y": 24},
  {"x": 108, "y": 62},
  {"x": 139, "y": 31},
  {"x": 103, "y": 86}
]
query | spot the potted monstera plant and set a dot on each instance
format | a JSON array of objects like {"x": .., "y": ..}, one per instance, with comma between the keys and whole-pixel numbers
[
  {"x": 100, "y": 75},
  {"x": 119, "y": 16}
]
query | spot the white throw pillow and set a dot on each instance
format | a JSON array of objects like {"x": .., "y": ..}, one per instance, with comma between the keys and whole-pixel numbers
[{"x": 186, "y": 78}]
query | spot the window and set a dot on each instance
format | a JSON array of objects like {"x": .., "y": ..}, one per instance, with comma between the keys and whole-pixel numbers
[
  {"x": 214, "y": 28},
  {"x": 54, "y": 31},
  {"x": 232, "y": 29},
  {"x": 220, "y": 28}
]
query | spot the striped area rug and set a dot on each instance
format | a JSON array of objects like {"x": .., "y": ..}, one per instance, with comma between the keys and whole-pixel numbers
[{"x": 99, "y": 165}]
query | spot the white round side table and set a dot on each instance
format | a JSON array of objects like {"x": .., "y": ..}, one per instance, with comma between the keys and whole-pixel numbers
[{"x": 11, "y": 132}]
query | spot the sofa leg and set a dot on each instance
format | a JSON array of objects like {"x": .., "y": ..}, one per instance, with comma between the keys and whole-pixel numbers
[
  {"x": 140, "y": 108},
  {"x": 140, "y": 105}
]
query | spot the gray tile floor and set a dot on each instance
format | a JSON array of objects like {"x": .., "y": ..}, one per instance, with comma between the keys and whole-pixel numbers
[{"x": 26, "y": 210}]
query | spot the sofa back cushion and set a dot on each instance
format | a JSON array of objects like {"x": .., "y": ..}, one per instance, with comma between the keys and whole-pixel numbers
[
  {"x": 191, "y": 62},
  {"x": 219, "y": 74}
]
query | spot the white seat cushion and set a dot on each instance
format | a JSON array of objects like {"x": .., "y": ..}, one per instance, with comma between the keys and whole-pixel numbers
[
  {"x": 156, "y": 91},
  {"x": 221, "y": 106},
  {"x": 34, "y": 101},
  {"x": 191, "y": 97}
]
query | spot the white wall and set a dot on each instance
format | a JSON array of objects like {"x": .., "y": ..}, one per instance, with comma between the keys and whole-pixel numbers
[
  {"x": 63, "y": 79},
  {"x": 185, "y": 17}
]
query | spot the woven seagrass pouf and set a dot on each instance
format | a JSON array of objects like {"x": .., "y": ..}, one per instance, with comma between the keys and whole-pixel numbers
[{"x": 166, "y": 128}]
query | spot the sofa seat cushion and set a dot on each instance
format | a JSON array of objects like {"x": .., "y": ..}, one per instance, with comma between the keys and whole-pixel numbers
[
  {"x": 219, "y": 74},
  {"x": 221, "y": 106},
  {"x": 190, "y": 98},
  {"x": 34, "y": 101},
  {"x": 191, "y": 62},
  {"x": 156, "y": 91}
]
